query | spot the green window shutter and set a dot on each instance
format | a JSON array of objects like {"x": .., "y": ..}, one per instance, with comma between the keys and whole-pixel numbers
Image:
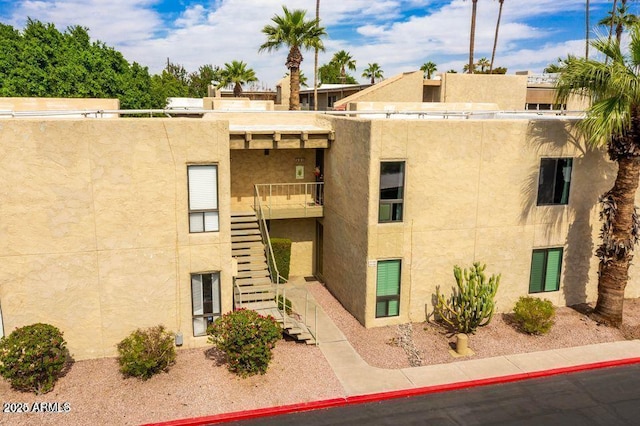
[
  {"x": 537, "y": 271},
  {"x": 394, "y": 309},
  {"x": 554, "y": 263},
  {"x": 388, "y": 283},
  {"x": 384, "y": 214},
  {"x": 381, "y": 309}
]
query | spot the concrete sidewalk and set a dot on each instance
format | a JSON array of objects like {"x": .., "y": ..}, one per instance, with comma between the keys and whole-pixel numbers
[{"x": 359, "y": 378}]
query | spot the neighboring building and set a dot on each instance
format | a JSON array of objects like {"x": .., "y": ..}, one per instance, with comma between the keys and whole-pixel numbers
[{"x": 111, "y": 225}]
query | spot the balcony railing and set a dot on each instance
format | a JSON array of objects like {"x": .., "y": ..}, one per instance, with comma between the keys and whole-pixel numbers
[{"x": 290, "y": 200}]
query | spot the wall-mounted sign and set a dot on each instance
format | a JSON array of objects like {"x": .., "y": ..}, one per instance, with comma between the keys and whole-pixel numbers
[{"x": 299, "y": 172}]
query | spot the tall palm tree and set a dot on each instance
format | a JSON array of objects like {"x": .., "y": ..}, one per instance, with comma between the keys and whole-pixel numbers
[
  {"x": 622, "y": 19},
  {"x": 428, "y": 68},
  {"x": 295, "y": 32},
  {"x": 472, "y": 38},
  {"x": 236, "y": 73},
  {"x": 495, "y": 38},
  {"x": 586, "y": 26},
  {"x": 344, "y": 60},
  {"x": 373, "y": 71},
  {"x": 315, "y": 63},
  {"x": 483, "y": 63},
  {"x": 613, "y": 119}
]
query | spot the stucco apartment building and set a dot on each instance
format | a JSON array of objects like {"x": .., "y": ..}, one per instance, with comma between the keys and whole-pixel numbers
[{"x": 111, "y": 224}]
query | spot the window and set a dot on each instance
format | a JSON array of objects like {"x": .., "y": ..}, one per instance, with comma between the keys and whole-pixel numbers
[
  {"x": 554, "y": 181},
  {"x": 391, "y": 191},
  {"x": 388, "y": 289},
  {"x": 203, "y": 198},
  {"x": 546, "y": 265},
  {"x": 205, "y": 297}
]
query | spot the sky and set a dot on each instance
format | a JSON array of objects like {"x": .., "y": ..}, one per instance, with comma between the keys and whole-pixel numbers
[{"x": 399, "y": 35}]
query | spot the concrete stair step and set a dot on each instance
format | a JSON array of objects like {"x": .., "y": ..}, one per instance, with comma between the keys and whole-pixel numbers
[
  {"x": 255, "y": 297},
  {"x": 253, "y": 281},
  {"x": 245, "y": 238},
  {"x": 257, "y": 288},
  {"x": 253, "y": 266},
  {"x": 244, "y": 232},
  {"x": 244, "y": 225},
  {"x": 252, "y": 274},
  {"x": 257, "y": 245},
  {"x": 261, "y": 306},
  {"x": 244, "y": 219},
  {"x": 250, "y": 258}
]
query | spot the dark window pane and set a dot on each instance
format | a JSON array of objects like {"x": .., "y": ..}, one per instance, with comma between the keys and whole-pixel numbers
[
  {"x": 546, "y": 180},
  {"x": 554, "y": 180},
  {"x": 207, "y": 293},
  {"x": 391, "y": 180}
]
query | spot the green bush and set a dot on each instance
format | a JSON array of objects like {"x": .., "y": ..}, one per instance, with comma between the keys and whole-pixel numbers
[
  {"x": 284, "y": 303},
  {"x": 33, "y": 357},
  {"x": 146, "y": 352},
  {"x": 247, "y": 339},
  {"x": 282, "y": 253},
  {"x": 533, "y": 315},
  {"x": 472, "y": 303}
]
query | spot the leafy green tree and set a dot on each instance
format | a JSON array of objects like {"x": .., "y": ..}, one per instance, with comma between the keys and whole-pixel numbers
[
  {"x": 330, "y": 74},
  {"x": 373, "y": 72},
  {"x": 295, "y": 32},
  {"x": 44, "y": 62},
  {"x": 613, "y": 119},
  {"x": 164, "y": 86},
  {"x": 200, "y": 80},
  {"x": 428, "y": 68},
  {"x": 344, "y": 60},
  {"x": 236, "y": 73}
]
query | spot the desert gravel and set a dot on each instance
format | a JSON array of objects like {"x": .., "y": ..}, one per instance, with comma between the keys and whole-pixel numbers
[{"x": 199, "y": 385}]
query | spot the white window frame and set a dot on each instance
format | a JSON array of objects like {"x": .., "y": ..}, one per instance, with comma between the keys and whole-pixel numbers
[
  {"x": 201, "y": 318},
  {"x": 202, "y": 183}
]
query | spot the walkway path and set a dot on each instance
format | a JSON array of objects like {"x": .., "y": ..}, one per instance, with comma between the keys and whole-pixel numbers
[{"x": 359, "y": 378}]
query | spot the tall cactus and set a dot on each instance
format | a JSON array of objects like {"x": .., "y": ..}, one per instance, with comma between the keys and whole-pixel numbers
[{"x": 472, "y": 303}]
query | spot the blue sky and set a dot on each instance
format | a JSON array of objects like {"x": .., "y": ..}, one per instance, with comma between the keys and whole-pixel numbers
[{"x": 400, "y": 35}]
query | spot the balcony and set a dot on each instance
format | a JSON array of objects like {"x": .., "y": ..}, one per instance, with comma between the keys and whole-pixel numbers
[{"x": 290, "y": 200}]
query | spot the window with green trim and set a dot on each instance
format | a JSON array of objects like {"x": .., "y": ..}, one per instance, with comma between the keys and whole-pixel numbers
[
  {"x": 554, "y": 181},
  {"x": 546, "y": 265},
  {"x": 388, "y": 288}
]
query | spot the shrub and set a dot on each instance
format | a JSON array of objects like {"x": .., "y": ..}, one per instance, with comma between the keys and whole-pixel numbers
[
  {"x": 472, "y": 303},
  {"x": 284, "y": 303},
  {"x": 247, "y": 339},
  {"x": 33, "y": 357},
  {"x": 533, "y": 315},
  {"x": 282, "y": 254},
  {"x": 146, "y": 352}
]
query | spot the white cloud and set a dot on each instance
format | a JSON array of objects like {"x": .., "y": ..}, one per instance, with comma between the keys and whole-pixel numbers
[{"x": 219, "y": 31}]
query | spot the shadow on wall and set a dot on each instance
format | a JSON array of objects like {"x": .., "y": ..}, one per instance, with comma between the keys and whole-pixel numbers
[{"x": 589, "y": 171}]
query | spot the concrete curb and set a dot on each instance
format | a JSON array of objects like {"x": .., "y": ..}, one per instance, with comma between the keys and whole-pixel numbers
[{"x": 381, "y": 396}]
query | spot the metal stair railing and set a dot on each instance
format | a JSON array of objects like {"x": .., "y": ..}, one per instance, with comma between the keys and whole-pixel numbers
[
  {"x": 291, "y": 195},
  {"x": 276, "y": 278}
]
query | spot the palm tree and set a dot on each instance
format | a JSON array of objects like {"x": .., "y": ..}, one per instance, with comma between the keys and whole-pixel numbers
[
  {"x": 428, "y": 68},
  {"x": 621, "y": 19},
  {"x": 344, "y": 60},
  {"x": 483, "y": 63},
  {"x": 472, "y": 38},
  {"x": 373, "y": 71},
  {"x": 236, "y": 73},
  {"x": 586, "y": 49},
  {"x": 315, "y": 63},
  {"x": 304, "y": 81},
  {"x": 612, "y": 119},
  {"x": 495, "y": 38},
  {"x": 292, "y": 30}
]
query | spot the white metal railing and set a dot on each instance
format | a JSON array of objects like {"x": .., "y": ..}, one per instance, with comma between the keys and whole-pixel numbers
[
  {"x": 276, "y": 278},
  {"x": 304, "y": 196}
]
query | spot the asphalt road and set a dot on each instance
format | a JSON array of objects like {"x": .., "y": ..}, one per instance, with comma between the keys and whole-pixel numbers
[{"x": 609, "y": 396}]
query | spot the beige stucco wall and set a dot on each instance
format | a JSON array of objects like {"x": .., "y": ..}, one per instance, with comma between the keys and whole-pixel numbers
[
  {"x": 345, "y": 212},
  {"x": 508, "y": 91},
  {"x": 94, "y": 231},
  {"x": 253, "y": 166},
  {"x": 302, "y": 233},
  {"x": 61, "y": 104},
  {"x": 406, "y": 87},
  {"x": 471, "y": 189}
]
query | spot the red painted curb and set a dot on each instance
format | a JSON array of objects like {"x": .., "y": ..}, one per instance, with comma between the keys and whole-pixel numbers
[{"x": 381, "y": 396}]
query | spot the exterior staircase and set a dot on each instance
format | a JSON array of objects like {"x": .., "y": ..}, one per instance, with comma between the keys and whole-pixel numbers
[{"x": 253, "y": 287}]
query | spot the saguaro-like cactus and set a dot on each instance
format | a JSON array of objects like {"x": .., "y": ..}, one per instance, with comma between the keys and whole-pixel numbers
[{"x": 472, "y": 303}]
